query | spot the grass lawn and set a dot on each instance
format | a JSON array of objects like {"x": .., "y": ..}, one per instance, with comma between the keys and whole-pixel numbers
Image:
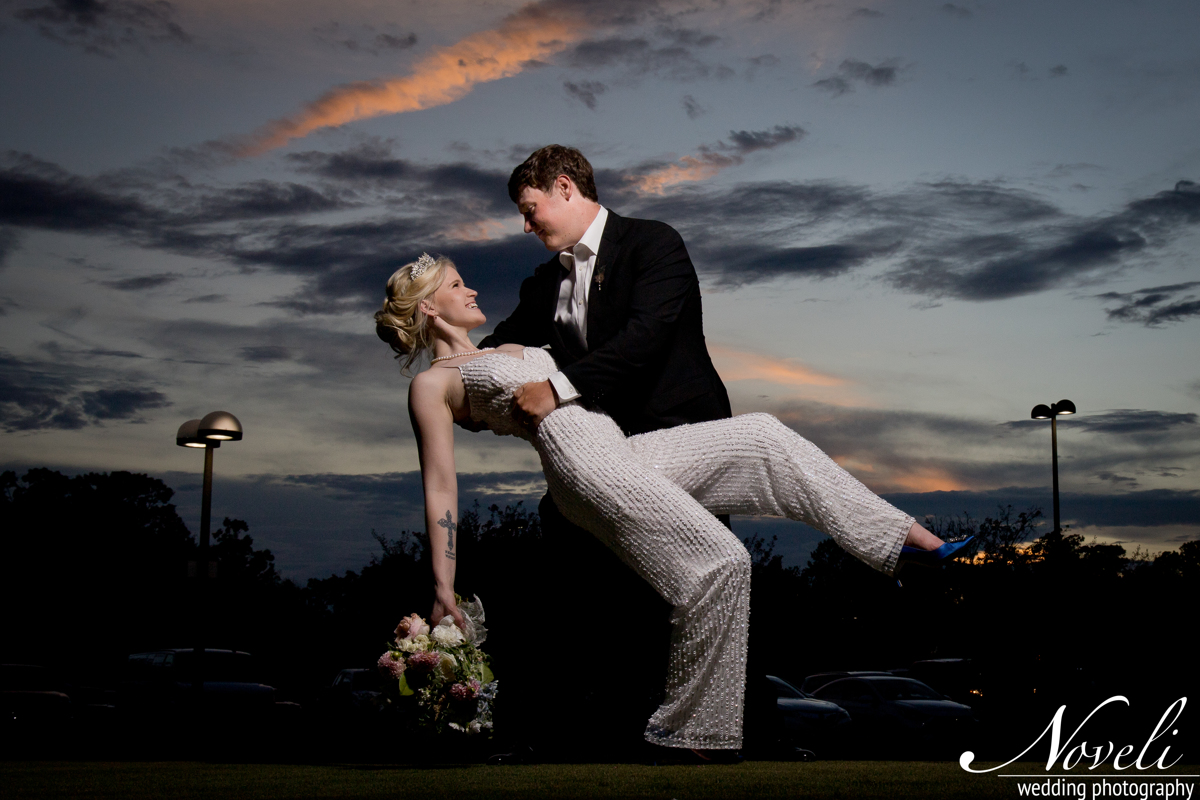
[{"x": 822, "y": 779}]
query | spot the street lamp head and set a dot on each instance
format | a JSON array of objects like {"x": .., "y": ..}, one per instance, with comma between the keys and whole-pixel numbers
[
  {"x": 1041, "y": 411},
  {"x": 189, "y": 435},
  {"x": 1063, "y": 408},
  {"x": 220, "y": 426}
]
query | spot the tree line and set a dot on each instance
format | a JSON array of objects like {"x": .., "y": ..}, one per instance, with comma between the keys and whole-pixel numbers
[{"x": 95, "y": 568}]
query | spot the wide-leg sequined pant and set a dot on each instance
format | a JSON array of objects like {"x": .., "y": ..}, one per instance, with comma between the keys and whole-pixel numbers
[{"x": 651, "y": 499}]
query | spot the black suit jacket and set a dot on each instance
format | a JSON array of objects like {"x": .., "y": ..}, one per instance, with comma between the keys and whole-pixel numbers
[{"x": 646, "y": 363}]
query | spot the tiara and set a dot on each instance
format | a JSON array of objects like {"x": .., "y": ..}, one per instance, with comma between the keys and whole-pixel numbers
[{"x": 423, "y": 263}]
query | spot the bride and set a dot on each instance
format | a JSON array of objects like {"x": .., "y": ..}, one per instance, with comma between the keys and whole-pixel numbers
[{"x": 650, "y": 497}]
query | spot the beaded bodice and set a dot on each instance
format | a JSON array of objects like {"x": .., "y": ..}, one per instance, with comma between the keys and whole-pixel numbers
[{"x": 490, "y": 380}]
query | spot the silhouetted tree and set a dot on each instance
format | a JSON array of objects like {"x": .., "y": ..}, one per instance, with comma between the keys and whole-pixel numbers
[
  {"x": 93, "y": 563},
  {"x": 359, "y": 610},
  {"x": 97, "y": 564},
  {"x": 999, "y": 537},
  {"x": 238, "y": 562},
  {"x": 778, "y": 623}
]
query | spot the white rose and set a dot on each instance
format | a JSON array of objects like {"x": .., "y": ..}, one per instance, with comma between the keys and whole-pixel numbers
[
  {"x": 448, "y": 665},
  {"x": 419, "y": 644},
  {"x": 447, "y": 633}
]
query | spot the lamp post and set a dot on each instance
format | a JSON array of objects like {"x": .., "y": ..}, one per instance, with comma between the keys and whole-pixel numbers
[
  {"x": 208, "y": 432},
  {"x": 1052, "y": 412}
]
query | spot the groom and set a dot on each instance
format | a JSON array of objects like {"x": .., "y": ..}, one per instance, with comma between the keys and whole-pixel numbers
[{"x": 619, "y": 305}]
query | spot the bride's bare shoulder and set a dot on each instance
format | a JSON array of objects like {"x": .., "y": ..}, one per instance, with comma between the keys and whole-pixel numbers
[
  {"x": 512, "y": 349},
  {"x": 431, "y": 384}
]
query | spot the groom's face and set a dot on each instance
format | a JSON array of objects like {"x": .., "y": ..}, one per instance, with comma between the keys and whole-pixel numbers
[{"x": 550, "y": 216}]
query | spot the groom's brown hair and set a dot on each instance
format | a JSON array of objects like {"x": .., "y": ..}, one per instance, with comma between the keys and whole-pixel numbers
[{"x": 547, "y": 163}]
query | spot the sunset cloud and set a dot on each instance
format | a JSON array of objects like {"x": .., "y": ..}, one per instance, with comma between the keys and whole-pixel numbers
[
  {"x": 912, "y": 478},
  {"x": 740, "y": 365},
  {"x": 712, "y": 159},
  {"x": 445, "y": 75},
  {"x": 688, "y": 169}
]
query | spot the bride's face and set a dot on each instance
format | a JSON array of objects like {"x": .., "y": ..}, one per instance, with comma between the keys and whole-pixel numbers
[{"x": 455, "y": 303}]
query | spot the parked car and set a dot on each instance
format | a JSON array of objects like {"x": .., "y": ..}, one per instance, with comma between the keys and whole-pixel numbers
[
  {"x": 161, "y": 683},
  {"x": 354, "y": 693},
  {"x": 814, "y": 682},
  {"x": 807, "y": 722},
  {"x": 900, "y": 714},
  {"x": 957, "y": 678},
  {"x": 31, "y": 697}
]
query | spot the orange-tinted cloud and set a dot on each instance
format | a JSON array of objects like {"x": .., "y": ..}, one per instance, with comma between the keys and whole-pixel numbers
[
  {"x": 910, "y": 478},
  {"x": 485, "y": 229},
  {"x": 442, "y": 77},
  {"x": 926, "y": 479},
  {"x": 738, "y": 365},
  {"x": 689, "y": 168},
  {"x": 709, "y": 162}
]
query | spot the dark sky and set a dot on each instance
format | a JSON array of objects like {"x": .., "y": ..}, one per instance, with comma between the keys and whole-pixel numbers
[{"x": 913, "y": 222}]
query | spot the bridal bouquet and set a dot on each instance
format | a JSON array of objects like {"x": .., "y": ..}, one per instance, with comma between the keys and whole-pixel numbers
[{"x": 444, "y": 671}]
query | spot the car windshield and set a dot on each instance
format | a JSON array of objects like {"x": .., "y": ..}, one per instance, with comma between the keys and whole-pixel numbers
[{"x": 904, "y": 689}]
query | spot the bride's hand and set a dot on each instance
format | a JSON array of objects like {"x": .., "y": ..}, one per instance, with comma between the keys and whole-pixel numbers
[{"x": 443, "y": 604}]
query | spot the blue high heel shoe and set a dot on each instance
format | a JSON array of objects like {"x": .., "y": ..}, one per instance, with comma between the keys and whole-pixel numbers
[{"x": 930, "y": 558}]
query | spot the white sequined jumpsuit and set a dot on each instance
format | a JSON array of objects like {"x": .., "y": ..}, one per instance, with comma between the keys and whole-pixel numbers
[{"x": 651, "y": 499}]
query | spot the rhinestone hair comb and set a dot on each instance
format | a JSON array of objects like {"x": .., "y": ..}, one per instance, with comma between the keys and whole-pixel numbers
[{"x": 423, "y": 263}]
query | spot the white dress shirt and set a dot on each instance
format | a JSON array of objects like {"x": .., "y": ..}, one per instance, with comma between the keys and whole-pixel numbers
[{"x": 571, "y": 314}]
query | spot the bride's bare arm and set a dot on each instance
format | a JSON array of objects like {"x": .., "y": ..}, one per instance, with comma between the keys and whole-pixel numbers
[{"x": 433, "y": 424}]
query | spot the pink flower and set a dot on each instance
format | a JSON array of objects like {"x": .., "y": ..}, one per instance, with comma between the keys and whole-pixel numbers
[
  {"x": 411, "y": 627},
  {"x": 424, "y": 663},
  {"x": 421, "y": 667},
  {"x": 462, "y": 692},
  {"x": 391, "y": 665}
]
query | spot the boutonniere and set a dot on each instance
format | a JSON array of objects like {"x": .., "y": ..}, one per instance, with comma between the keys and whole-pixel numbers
[{"x": 598, "y": 278}]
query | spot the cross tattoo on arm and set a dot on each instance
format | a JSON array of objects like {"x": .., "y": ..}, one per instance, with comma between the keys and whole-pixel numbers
[{"x": 450, "y": 526}]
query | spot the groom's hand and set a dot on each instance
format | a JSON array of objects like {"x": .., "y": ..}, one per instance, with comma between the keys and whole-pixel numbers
[{"x": 532, "y": 402}]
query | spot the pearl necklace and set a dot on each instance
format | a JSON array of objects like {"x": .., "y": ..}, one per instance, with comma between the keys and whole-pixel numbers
[{"x": 433, "y": 361}]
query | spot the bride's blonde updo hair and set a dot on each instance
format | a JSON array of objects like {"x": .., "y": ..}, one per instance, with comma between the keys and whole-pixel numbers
[{"x": 400, "y": 322}]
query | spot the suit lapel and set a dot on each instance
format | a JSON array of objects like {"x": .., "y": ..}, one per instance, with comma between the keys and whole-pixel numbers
[{"x": 610, "y": 249}]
